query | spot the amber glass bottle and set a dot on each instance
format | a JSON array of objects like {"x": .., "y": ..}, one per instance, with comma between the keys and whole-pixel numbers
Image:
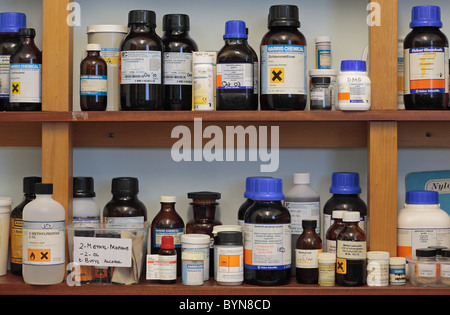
[
  {"x": 93, "y": 80},
  {"x": 333, "y": 231},
  {"x": 178, "y": 48},
  {"x": 308, "y": 247},
  {"x": 26, "y": 74},
  {"x": 141, "y": 64}
]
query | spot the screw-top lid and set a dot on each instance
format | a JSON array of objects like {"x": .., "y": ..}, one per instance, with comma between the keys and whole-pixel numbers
[
  {"x": 228, "y": 238},
  {"x": 250, "y": 186},
  {"x": 268, "y": 189},
  {"x": 397, "y": 260},
  {"x": 323, "y": 73},
  {"x": 27, "y": 32},
  {"x": 425, "y": 252},
  {"x": 378, "y": 255},
  {"x": 353, "y": 65},
  {"x": 29, "y": 184},
  {"x": 337, "y": 214},
  {"x": 204, "y": 195},
  {"x": 44, "y": 189},
  {"x": 426, "y": 16},
  {"x": 345, "y": 183},
  {"x": 11, "y": 22},
  {"x": 320, "y": 80},
  {"x": 83, "y": 187},
  {"x": 351, "y": 216},
  {"x": 125, "y": 185},
  {"x": 445, "y": 252},
  {"x": 323, "y": 39},
  {"x": 199, "y": 239},
  {"x": 301, "y": 178},
  {"x": 94, "y": 47},
  {"x": 438, "y": 249},
  {"x": 235, "y": 29},
  {"x": 309, "y": 224},
  {"x": 176, "y": 22},
  {"x": 142, "y": 17},
  {"x": 419, "y": 197},
  {"x": 167, "y": 242},
  {"x": 168, "y": 199},
  {"x": 283, "y": 15}
]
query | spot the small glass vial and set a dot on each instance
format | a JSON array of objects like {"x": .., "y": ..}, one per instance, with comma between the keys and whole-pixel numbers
[
  {"x": 425, "y": 267},
  {"x": 377, "y": 268},
  {"x": 308, "y": 246},
  {"x": 168, "y": 261},
  {"x": 354, "y": 86},
  {"x": 320, "y": 93},
  {"x": 93, "y": 80},
  {"x": 397, "y": 270},
  {"x": 323, "y": 52},
  {"x": 327, "y": 268},
  {"x": 444, "y": 278}
]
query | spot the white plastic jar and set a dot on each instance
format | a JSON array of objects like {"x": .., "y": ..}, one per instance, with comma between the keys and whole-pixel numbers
[
  {"x": 197, "y": 243},
  {"x": 354, "y": 86},
  {"x": 377, "y": 268}
]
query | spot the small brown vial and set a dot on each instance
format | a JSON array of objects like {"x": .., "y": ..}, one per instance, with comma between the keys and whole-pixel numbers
[
  {"x": 93, "y": 80},
  {"x": 308, "y": 246}
]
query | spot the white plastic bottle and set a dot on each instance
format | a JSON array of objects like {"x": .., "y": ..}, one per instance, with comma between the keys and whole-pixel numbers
[
  {"x": 421, "y": 223},
  {"x": 85, "y": 209},
  {"x": 303, "y": 203},
  {"x": 43, "y": 239},
  {"x": 354, "y": 86},
  {"x": 203, "y": 81}
]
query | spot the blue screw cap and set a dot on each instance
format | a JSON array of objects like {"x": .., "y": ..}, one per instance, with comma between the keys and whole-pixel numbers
[
  {"x": 426, "y": 15},
  {"x": 420, "y": 197},
  {"x": 235, "y": 29},
  {"x": 345, "y": 183},
  {"x": 11, "y": 22}
]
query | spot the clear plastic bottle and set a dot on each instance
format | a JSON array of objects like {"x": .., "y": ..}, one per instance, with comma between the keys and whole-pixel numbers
[
  {"x": 303, "y": 203},
  {"x": 283, "y": 61},
  {"x": 85, "y": 209},
  {"x": 44, "y": 239},
  {"x": 93, "y": 80}
]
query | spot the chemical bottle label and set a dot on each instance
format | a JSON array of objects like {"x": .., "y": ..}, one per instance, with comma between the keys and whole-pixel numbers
[
  {"x": 234, "y": 76},
  {"x": 124, "y": 220},
  {"x": 354, "y": 90},
  {"x": 283, "y": 69},
  {"x": 355, "y": 250},
  {"x": 267, "y": 246},
  {"x": 230, "y": 263},
  {"x": 175, "y": 233},
  {"x": 177, "y": 68},
  {"x": 303, "y": 211},
  {"x": 203, "y": 87},
  {"x": 409, "y": 239},
  {"x": 324, "y": 59},
  {"x": 307, "y": 258},
  {"x": 426, "y": 70},
  {"x": 4, "y": 76},
  {"x": 141, "y": 67},
  {"x": 111, "y": 57},
  {"x": 25, "y": 83},
  {"x": 43, "y": 243},
  {"x": 16, "y": 240},
  {"x": 94, "y": 85}
]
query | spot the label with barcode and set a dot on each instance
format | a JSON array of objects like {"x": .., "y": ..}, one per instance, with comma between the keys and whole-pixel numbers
[
  {"x": 141, "y": 67},
  {"x": 177, "y": 68}
]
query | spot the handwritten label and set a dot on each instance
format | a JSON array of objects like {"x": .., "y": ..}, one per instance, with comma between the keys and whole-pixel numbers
[{"x": 108, "y": 252}]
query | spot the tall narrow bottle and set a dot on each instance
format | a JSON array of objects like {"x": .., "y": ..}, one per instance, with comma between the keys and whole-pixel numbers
[
  {"x": 93, "y": 80},
  {"x": 308, "y": 247}
]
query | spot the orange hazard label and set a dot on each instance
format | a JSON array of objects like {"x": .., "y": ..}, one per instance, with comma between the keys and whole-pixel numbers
[{"x": 39, "y": 255}]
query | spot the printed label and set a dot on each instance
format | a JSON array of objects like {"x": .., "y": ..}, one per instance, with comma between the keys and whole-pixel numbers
[
  {"x": 204, "y": 88},
  {"x": 94, "y": 85},
  {"x": 141, "y": 67},
  {"x": 16, "y": 241},
  {"x": 124, "y": 220},
  {"x": 324, "y": 59},
  {"x": 354, "y": 91},
  {"x": 235, "y": 76},
  {"x": 161, "y": 267},
  {"x": 409, "y": 240},
  {"x": 4, "y": 76},
  {"x": 25, "y": 83},
  {"x": 351, "y": 250},
  {"x": 175, "y": 233},
  {"x": 307, "y": 258},
  {"x": 230, "y": 267},
  {"x": 111, "y": 56},
  {"x": 177, "y": 68},
  {"x": 303, "y": 211},
  {"x": 283, "y": 69}
]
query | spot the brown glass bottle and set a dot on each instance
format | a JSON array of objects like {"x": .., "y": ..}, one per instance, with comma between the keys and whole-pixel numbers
[
  {"x": 351, "y": 252},
  {"x": 283, "y": 87},
  {"x": 308, "y": 246},
  {"x": 26, "y": 74},
  {"x": 235, "y": 64},
  {"x": 204, "y": 209},
  {"x": 93, "y": 80},
  {"x": 333, "y": 231},
  {"x": 125, "y": 207},
  {"x": 16, "y": 224},
  {"x": 141, "y": 64},
  {"x": 10, "y": 23},
  {"x": 430, "y": 91},
  {"x": 167, "y": 222},
  {"x": 178, "y": 48}
]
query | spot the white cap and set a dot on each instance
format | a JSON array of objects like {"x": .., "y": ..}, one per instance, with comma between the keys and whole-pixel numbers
[
  {"x": 351, "y": 216},
  {"x": 170, "y": 199},
  {"x": 94, "y": 47},
  {"x": 5, "y": 204},
  {"x": 397, "y": 260},
  {"x": 192, "y": 256},
  {"x": 326, "y": 257},
  {"x": 337, "y": 214},
  {"x": 323, "y": 39},
  {"x": 107, "y": 29},
  {"x": 301, "y": 178},
  {"x": 378, "y": 255},
  {"x": 221, "y": 228},
  {"x": 323, "y": 72},
  {"x": 199, "y": 239}
]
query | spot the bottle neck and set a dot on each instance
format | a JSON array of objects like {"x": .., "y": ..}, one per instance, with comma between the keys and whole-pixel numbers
[
  {"x": 235, "y": 41},
  {"x": 124, "y": 197},
  {"x": 141, "y": 28},
  {"x": 28, "y": 40},
  {"x": 204, "y": 212},
  {"x": 93, "y": 53},
  {"x": 176, "y": 33},
  {"x": 49, "y": 196},
  {"x": 167, "y": 207}
]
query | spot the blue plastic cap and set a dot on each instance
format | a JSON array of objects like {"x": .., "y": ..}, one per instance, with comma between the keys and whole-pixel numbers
[
  {"x": 268, "y": 189},
  {"x": 345, "y": 183},
  {"x": 426, "y": 15},
  {"x": 353, "y": 65},
  {"x": 235, "y": 29},
  {"x": 11, "y": 22},
  {"x": 420, "y": 197},
  {"x": 250, "y": 186}
]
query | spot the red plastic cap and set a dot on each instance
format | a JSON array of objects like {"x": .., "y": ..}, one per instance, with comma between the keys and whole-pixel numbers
[{"x": 167, "y": 242}]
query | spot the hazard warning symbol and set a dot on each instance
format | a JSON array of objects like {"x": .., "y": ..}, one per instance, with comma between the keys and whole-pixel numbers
[
  {"x": 15, "y": 87},
  {"x": 38, "y": 255},
  {"x": 277, "y": 75}
]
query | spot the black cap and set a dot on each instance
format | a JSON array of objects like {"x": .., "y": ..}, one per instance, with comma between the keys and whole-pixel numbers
[
  {"x": 142, "y": 17},
  {"x": 83, "y": 187},
  {"x": 425, "y": 252},
  {"x": 27, "y": 32},
  {"x": 445, "y": 252},
  {"x": 228, "y": 238},
  {"x": 44, "y": 189},
  {"x": 309, "y": 224},
  {"x": 29, "y": 184},
  {"x": 176, "y": 22},
  {"x": 125, "y": 185},
  {"x": 283, "y": 15},
  {"x": 204, "y": 195},
  {"x": 323, "y": 80}
]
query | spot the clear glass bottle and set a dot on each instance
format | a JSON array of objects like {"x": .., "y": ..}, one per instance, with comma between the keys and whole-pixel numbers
[
  {"x": 425, "y": 267},
  {"x": 308, "y": 247},
  {"x": 320, "y": 93},
  {"x": 445, "y": 267},
  {"x": 93, "y": 80}
]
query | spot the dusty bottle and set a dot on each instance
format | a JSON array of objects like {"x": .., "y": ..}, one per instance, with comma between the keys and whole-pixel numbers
[
  {"x": 26, "y": 74},
  {"x": 141, "y": 64},
  {"x": 178, "y": 48},
  {"x": 426, "y": 63},
  {"x": 308, "y": 247},
  {"x": 235, "y": 63},
  {"x": 93, "y": 80},
  {"x": 10, "y": 23},
  {"x": 167, "y": 222},
  {"x": 351, "y": 252},
  {"x": 168, "y": 258},
  {"x": 283, "y": 61},
  {"x": 333, "y": 231},
  {"x": 267, "y": 236},
  {"x": 16, "y": 224},
  {"x": 125, "y": 206},
  {"x": 43, "y": 239}
]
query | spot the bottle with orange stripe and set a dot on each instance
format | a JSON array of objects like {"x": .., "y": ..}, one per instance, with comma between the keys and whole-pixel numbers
[
  {"x": 426, "y": 57},
  {"x": 354, "y": 86}
]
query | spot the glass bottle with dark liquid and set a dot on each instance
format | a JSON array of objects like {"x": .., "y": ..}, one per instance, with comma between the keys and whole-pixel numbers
[
  {"x": 93, "y": 80},
  {"x": 308, "y": 246}
]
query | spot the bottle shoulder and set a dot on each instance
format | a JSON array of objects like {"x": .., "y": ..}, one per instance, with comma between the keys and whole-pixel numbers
[
  {"x": 425, "y": 37},
  {"x": 235, "y": 53},
  {"x": 267, "y": 213},
  {"x": 301, "y": 192},
  {"x": 142, "y": 41},
  {"x": 280, "y": 35},
  {"x": 44, "y": 209},
  {"x": 179, "y": 44}
]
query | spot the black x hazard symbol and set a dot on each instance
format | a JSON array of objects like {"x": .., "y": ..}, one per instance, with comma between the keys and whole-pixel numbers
[
  {"x": 277, "y": 75},
  {"x": 15, "y": 88}
]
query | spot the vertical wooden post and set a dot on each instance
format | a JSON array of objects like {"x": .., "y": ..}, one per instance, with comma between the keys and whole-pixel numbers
[{"x": 382, "y": 136}]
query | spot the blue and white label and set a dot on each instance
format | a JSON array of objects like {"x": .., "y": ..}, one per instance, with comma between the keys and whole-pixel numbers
[
  {"x": 25, "y": 83},
  {"x": 323, "y": 59},
  {"x": 175, "y": 233},
  {"x": 94, "y": 85},
  {"x": 235, "y": 76}
]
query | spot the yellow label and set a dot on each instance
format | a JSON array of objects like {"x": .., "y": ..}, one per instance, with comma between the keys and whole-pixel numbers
[
  {"x": 16, "y": 240},
  {"x": 277, "y": 75},
  {"x": 341, "y": 266},
  {"x": 15, "y": 87}
]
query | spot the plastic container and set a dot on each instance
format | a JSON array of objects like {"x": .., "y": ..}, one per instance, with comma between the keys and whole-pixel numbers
[
  {"x": 354, "y": 86},
  {"x": 193, "y": 264},
  {"x": 444, "y": 278},
  {"x": 327, "y": 268},
  {"x": 85, "y": 208},
  {"x": 323, "y": 52},
  {"x": 283, "y": 61},
  {"x": 426, "y": 87},
  {"x": 377, "y": 268},
  {"x": 110, "y": 38},
  {"x": 5, "y": 212},
  {"x": 204, "y": 84},
  {"x": 229, "y": 258},
  {"x": 397, "y": 270},
  {"x": 423, "y": 268},
  {"x": 197, "y": 244}
]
